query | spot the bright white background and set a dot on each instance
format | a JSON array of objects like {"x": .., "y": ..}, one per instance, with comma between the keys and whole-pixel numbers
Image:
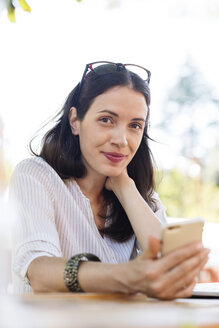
[{"x": 43, "y": 54}]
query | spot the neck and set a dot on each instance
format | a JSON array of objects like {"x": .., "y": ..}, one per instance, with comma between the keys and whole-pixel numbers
[{"x": 92, "y": 187}]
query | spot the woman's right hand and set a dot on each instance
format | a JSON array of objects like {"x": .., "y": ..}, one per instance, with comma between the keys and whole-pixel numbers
[{"x": 171, "y": 276}]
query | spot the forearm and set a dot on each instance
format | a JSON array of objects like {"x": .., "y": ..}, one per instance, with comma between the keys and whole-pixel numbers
[
  {"x": 143, "y": 220},
  {"x": 104, "y": 277},
  {"x": 164, "y": 278},
  {"x": 46, "y": 274}
]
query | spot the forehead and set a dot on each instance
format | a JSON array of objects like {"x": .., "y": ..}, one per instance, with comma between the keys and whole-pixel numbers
[{"x": 122, "y": 100}]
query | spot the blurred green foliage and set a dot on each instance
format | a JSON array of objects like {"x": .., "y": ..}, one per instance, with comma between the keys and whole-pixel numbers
[
  {"x": 189, "y": 113},
  {"x": 11, "y": 6},
  {"x": 187, "y": 197},
  {"x": 189, "y": 116}
]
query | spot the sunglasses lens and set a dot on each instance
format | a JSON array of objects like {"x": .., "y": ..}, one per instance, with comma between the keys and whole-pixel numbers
[
  {"x": 140, "y": 71},
  {"x": 105, "y": 67}
]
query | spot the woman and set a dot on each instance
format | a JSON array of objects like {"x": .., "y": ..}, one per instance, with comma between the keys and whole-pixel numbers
[{"x": 87, "y": 205}]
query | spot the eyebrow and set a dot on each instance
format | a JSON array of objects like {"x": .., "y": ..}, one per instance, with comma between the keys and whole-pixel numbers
[{"x": 116, "y": 115}]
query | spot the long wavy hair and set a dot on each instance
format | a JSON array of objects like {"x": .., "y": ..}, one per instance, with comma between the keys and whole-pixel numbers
[{"x": 61, "y": 149}]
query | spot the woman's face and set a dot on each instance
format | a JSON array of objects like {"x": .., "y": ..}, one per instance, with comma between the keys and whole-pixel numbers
[{"x": 111, "y": 131}]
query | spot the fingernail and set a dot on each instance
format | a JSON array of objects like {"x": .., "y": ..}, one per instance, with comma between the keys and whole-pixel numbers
[{"x": 199, "y": 246}]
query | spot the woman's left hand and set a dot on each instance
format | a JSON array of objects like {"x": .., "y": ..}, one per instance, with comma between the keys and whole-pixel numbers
[
  {"x": 141, "y": 217},
  {"x": 117, "y": 183}
]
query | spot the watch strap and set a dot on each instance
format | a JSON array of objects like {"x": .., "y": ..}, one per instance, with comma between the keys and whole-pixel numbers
[{"x": 71, "y": 270}]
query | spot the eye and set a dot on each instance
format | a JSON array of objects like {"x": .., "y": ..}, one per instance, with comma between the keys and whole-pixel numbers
[
  {"x": 136, "y": 126},
  {"x": 106, "y": 120}
]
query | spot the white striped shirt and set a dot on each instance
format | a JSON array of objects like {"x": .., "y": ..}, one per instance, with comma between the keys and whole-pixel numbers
[{"x": 55, "y": 219}]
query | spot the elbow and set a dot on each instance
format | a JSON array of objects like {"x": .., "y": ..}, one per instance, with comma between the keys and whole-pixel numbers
[
  {"x": 35, "y": 276},
  {"x": 37, "y": 287},
  {"x": 35, "y": 283},
  {"x": 46, "y": 275}
]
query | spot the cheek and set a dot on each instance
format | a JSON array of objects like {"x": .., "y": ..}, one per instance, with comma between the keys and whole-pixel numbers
[
  {"x": 136, "y": 143},
  {"x": 98, "y": 137},
  {"x": 90, "y": 142}
]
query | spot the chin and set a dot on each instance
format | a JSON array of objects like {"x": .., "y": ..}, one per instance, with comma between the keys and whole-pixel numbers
[{"x": 113, "y": 172}]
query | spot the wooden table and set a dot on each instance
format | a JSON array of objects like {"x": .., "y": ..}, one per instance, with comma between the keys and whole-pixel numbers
[{"x": 106, "y": 311}]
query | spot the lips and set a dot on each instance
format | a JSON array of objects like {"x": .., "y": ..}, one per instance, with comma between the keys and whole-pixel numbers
[{"x": 114, "y": 157}]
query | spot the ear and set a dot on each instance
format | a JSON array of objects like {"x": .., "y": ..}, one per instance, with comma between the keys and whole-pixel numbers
[{"x": 73, "y": 121}]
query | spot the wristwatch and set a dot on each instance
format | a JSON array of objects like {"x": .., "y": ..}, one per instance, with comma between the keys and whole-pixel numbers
[{"x": 71, "y": 270}]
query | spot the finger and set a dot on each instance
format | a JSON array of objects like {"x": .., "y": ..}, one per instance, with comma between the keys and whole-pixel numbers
[
  {"x": 154, "y": 247},
  {"x": 125, "y": 171},
  {"x": 182, "y": 270},
  {"x": 186, "y": 279},
  {"x": 182, "y": 293},
  {"x": 170, "y": 283},
  {"x": 180, "y": 255},
  {"x": 186, "y": 292}
]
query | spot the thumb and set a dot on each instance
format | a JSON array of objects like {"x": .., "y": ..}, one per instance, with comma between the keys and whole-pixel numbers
[{"x": 154, "y": 247}]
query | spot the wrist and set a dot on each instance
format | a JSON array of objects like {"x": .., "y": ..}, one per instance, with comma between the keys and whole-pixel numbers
[
  {"x": 71, "y": 270},
  {"x": 123, "y": 188},
  {"x": 103, "y": 277},
  {"x": 123, "y": 278}
]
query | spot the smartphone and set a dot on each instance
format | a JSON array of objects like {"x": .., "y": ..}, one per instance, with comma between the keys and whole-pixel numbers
[{"x": 180, "y": 233}]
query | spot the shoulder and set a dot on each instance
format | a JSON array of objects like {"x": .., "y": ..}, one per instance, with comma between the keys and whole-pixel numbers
[
  {"x": 31, "y": 164},
  {"x": 35, "y": 171},
  {"x": 35, "y": 166},
  {"x": 34, "y": 178}
]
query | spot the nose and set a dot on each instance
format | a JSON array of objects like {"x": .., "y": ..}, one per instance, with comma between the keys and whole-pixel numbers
[{"x": 119, "y": 137}]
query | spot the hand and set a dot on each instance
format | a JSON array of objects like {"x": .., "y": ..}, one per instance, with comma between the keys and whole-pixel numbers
[
  {"x": 169, "y": 277},
  {"x": 116, "y": 183}
]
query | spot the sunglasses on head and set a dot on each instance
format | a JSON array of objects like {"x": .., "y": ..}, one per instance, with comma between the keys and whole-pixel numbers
[
  {"x": 117, "y": 67},
  {"x": 110, "y": 67}
]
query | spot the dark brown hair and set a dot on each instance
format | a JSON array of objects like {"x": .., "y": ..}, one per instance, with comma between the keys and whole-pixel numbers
[{"x": 61, "y": 149}]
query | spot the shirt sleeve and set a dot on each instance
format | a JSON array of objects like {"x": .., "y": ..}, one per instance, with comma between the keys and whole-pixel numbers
[
  {"x": 161, "y": 209},
  {"x": 34, "y": 232}
]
